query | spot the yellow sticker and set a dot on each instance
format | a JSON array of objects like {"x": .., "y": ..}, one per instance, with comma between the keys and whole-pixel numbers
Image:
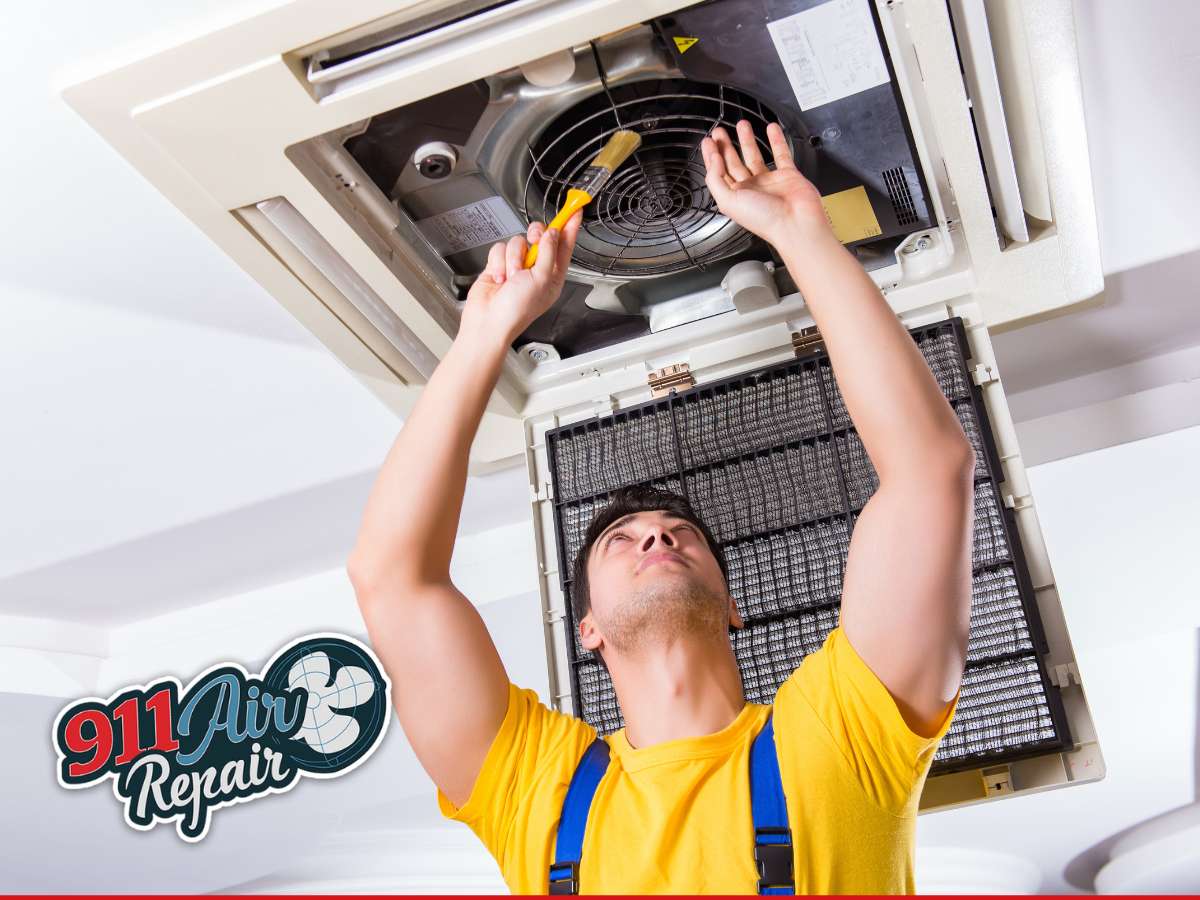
[
  {"x": 683, "y": 43},
  {"x": 851, "y": 215}
]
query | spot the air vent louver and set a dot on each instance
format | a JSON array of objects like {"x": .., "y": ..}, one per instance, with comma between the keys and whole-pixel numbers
[{"x": 901, "y": 196}]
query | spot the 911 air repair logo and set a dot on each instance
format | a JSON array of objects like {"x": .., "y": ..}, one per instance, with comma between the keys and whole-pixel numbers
[{"x": 318, "y": 710}]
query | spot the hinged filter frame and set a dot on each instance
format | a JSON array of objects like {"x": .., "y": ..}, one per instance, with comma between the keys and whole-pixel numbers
[{"x": 1075, "y": 758}]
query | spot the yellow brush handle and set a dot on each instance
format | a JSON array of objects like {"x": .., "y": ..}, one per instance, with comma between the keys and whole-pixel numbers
[{"x": 576, "y": 200}]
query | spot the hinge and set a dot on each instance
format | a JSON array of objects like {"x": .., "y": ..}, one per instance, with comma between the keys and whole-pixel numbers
[
  {"x": 982, "y": 375},
  {"x": 554, "y": 616},
  {"x": 545, "y": 492},
  {"x": 997, "y": 780},
  {"x": 670, "y": 378},
  {"x": 1021, "y": 501},
  {"x": 1063, "y": 674},
  {"x": 807, "y": 339},
  {"x": 604, "y": 406}
]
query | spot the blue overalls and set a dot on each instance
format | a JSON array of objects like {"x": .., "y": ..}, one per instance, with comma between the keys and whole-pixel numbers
[{"x": 772, "y": 837}]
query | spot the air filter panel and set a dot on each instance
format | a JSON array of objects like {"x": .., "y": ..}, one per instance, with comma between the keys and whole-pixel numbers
[{"x": 771, "y": 461}]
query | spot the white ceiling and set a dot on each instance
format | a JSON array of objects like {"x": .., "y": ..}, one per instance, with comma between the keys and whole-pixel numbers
[
  {"x": 162, "y": 411},
  {"x": 147, "y": 383},
  {"x": 1140, "y": 64}
]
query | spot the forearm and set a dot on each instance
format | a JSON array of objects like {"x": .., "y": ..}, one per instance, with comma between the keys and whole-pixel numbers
[
  {"x": 411, "y": 519},
  {"x": 899, "y": 411}
]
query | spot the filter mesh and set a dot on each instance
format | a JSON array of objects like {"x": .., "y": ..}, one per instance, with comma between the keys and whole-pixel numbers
[
  {"x": 788, "y": 571},
  {"x": 750, "y": 414},
  {"x": 771, "y": 461},
  {"x": 744, "y": 497}
]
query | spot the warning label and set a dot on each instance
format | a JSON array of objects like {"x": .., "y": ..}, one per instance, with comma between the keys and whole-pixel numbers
[
  {"x": 482, "y": 222},
  {"x": 683, "y": 43}
]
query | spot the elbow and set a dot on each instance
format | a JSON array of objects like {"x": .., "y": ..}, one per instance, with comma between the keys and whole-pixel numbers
[
  {"x": 959, "y": 457},
  {"x": 366, "y": 575},
  {"x": 388, "y": 576},
  {"x": 950, "y": 456},
  {"x": 948, "y": 462},
  {"x": 954, "y": 469}
]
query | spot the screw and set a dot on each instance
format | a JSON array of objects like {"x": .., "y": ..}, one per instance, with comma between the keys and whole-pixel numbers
[{"x": 537, "y": 354}]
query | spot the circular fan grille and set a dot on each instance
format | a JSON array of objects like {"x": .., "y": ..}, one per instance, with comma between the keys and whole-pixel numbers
[{"x": 655, "y": 215}]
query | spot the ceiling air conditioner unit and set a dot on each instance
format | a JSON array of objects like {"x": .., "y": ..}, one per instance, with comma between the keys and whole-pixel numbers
[{"x": 358, "y": 159}]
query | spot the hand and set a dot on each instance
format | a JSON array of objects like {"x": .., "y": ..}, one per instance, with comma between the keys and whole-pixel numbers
[
  {"x": 506, "y": 297},
  {"x": 767, "y": 202}
]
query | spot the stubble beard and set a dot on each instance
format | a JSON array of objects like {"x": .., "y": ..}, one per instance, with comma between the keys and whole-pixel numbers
[{"x": 665, "y": 609}]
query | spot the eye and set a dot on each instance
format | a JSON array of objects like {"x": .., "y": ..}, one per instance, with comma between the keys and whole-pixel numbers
[
  {"x": 686, "y": 527},
  {"x": 616, "y": 534}
]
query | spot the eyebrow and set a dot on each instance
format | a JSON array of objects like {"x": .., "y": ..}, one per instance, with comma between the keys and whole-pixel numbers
[{"x": 625, "y": 518}]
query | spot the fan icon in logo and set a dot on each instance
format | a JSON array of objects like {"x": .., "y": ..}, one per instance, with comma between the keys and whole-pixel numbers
[
  {"x": 346, "y": 704},
  {"x": 324, "y": 728}
]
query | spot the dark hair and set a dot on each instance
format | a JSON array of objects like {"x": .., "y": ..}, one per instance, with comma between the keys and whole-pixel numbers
[{"x": 623, "y": 502}]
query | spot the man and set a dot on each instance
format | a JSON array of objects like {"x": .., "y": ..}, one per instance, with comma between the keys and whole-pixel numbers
[{"x": 856, "y": 725}]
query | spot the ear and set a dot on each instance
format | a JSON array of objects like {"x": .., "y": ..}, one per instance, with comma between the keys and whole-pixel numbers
[
  {"x": 735, "y": 618},
  {"x": 589, "y": 635}
]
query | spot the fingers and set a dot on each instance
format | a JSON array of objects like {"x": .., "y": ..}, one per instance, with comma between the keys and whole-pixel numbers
[
  {"x": 714, "y": 172},
  {"x": 750, "y": 151},
  {"x": 779, "y": 147},
  {"x": 495, "y": 263},
  {"x": 733, "y": 161},
  {"x": 543, "y": 266},
  {"x": 566, "y": 244},
  {"x": 554, "y": 252},
  {"x": 514, "y": 255},
  {"x": 534, "y": 234}
]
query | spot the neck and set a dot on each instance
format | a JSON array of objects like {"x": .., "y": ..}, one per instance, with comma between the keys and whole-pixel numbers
[{"x": 688, "y": 687}]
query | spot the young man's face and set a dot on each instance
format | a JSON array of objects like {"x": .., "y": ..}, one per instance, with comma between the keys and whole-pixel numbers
[{"x": 652, "y": 575}]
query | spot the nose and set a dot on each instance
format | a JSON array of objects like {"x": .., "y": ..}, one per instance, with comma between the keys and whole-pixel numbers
[{"x": 657, "y": 533}]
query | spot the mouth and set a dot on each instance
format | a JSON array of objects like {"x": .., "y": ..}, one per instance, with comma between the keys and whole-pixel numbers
[{"x": 661, "y": 556}]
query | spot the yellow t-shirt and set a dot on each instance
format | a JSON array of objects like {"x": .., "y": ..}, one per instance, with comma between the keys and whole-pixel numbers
[{"x": 675, "y": 817}]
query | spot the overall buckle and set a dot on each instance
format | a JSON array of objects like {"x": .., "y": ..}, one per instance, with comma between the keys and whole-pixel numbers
[
  {"x": 564, "y": 878},
  {"x": 773, "y": 856}
]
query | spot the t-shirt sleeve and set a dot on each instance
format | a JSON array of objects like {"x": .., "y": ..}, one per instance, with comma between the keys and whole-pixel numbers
[
  {"x": 863, "y": 722},
  {"x": 531, "y": 738}
]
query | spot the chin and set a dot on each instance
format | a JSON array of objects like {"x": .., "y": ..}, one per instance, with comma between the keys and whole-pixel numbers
[{"x": 666, "y": 574}]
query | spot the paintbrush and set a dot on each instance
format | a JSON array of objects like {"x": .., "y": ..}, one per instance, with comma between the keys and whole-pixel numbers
[{"x": 595, "y": 176}]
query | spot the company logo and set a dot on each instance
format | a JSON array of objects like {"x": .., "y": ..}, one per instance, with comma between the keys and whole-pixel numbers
[{"x": 318, "y": 710}]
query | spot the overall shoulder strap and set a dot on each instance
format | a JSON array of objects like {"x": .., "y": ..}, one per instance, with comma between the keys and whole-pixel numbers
[
  {"x": 772, "y": 837},
  {"x": 568, "y": 846}
]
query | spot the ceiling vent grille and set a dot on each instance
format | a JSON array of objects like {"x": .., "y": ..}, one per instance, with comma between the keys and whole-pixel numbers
[{"x": 901, "y": 196}]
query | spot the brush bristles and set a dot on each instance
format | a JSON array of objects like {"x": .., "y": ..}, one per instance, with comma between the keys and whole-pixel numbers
[{"x": 617, "y": 150}]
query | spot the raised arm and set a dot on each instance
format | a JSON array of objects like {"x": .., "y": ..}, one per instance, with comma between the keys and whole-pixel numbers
[
  {"x": 907, "y": 589},
  {"x": 449, "y": 686}
]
